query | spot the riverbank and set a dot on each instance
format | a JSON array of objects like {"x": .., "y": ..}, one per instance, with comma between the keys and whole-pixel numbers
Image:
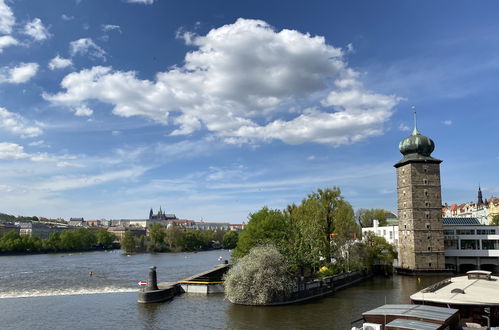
[{"x": 25, "y": 253}]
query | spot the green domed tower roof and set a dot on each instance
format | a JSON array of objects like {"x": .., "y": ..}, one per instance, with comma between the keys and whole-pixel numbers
[{"x": 417, "y": 148}]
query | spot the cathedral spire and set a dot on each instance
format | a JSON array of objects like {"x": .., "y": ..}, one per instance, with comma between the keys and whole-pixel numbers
[{"x": 480, "y": 198}]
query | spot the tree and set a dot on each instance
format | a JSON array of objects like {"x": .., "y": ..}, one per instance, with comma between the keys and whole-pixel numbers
[
  {"x": 105, "y": 238},
  {"x": 157, "y": 236},
  {"x": 495, "y": 220},
  {"x": 128, "y": 242},
  {"x": 260, "y": 277},
  {"x": 378, "y": 250},
  {"x": 229, "y": 240},
  {"x": 264, "y": 226},
  {"x": 173, "y": 237},
  {"x": 368, "y": 215}
]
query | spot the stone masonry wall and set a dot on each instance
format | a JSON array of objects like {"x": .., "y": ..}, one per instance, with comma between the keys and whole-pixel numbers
[{"x": 421, "y": 240}]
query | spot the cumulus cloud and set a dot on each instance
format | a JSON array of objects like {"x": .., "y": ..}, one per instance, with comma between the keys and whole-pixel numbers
[
  {"x": 83, "y": 111},
  {"x": 447, "y": 122},
  {"x": 7, "y": 19},
  {"x": 86, "y": 47},
  {"x": 17, "y": 124},
  {"x": 12, "y": 151},
  {"x": 110, "y": 27},
  {"x": 7, "y": 41},
  {"x": 18, "y": 74},
  {"x": 245, "y": 82},
  {"x": 59, "y": 63},
  {"x": 36, "y": 30},
  {"x": 145, "y": 2}
]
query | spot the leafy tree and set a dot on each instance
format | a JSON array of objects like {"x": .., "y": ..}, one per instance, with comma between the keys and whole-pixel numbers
[
  {"x": 173, "y": 237},
  {"x": 105, "y": 238},
  {"x": 378, "y": 250},
  {"x": 368, "y": 215},
  {"x": 157, "y": 236},
  {"x": 229, "y": 240},
  {"x": 128, "y": 242},
  {"x": 192, "y": 240},
  {"x": 495, "y": 220},
  {"x": 264, "y": 226},
  {"x": 260, "y": 277}
]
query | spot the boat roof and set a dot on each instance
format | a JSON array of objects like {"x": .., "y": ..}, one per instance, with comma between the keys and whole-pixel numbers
[
  {"x": 462, "y": 290},
  {"x": 426, "y": 312},
  {"x": 413, "y": 324}
]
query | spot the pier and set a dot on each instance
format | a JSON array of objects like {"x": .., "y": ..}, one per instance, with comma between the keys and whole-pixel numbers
[{"x": 207, "y": 282}]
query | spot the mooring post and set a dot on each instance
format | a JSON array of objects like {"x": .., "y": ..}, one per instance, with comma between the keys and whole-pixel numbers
[{"x": 152, "y": 284}]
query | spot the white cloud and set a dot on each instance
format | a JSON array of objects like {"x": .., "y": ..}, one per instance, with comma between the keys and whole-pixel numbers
[
  {"x": 311, "y": 157},
  {"x": 241, "y": 84},
  {"x": 110, "y": 27},
  {"x": 67, "y": 17},
  {"x": 7, "y": 19},
  {"x": 59, "y": 63},
  {"x": 36, "y": 143},
  {"x": 86, "y": 46},
  {"x": 12, "y": 151},
  {"x": 18, "y": 74},
  {"x": 17, "y": 124},
  {"x": 6, "y": 41},
  {"x": 145, "y": 2},
  {"x": 36, "y": 30},
  {"x": 404, "y": 128},
  {"x": 447, "y": 122},
  {"x": 83, "y": 111}
]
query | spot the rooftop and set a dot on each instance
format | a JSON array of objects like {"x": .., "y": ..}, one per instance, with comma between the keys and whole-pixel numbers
[
  {"x": 462, "y": 290},
  {"x": 425, "y": 312},
  {"x": 460, "y": 221}
]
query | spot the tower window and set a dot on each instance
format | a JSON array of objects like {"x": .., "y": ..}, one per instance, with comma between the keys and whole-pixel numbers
[
  {"x": 429, "y": 248},
  {"x": 425, "y": 181},
  {"x": 427, "y": 225},
  {"x": 427, "y": 204},
  {"x": 429, "y": 264},
  {"x": 405, "y": 204},
  {"x": 425, "y": 169},
  {"x": 426, "y": 192},
  {"x": 427, "y": 214}
]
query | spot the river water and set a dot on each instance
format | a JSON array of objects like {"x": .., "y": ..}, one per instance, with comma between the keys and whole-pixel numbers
[{"x": 55, "y": 291}]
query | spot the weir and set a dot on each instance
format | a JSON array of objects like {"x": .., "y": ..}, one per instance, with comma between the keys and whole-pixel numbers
[{"x": 210, "y": 281}]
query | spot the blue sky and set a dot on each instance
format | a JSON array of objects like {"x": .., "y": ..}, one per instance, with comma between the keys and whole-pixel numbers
[{"x": 213, "y": 109}]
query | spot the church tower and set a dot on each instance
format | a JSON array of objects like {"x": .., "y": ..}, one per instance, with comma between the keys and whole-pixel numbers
[
  {"x": 480, "y": 198},
  {"x": 421, "y": 239}
]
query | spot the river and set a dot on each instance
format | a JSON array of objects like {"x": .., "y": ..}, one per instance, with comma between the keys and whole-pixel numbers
[{"x": 55, "y": 291}]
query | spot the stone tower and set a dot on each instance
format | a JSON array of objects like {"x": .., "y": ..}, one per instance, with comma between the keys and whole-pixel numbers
[{"x": 421, "y": 239}]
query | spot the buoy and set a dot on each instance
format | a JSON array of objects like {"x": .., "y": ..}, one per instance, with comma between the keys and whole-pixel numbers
[{"x": 90, "y": 273}]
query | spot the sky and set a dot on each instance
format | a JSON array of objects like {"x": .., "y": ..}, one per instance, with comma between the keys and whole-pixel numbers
[{"x": 214, "y": 109}]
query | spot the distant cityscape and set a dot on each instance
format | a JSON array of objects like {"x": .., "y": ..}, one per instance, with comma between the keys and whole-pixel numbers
[{"x": 43, "y": 227}]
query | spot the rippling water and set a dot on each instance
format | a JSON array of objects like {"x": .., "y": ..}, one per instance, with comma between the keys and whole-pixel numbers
[{"x": 56, "y": 292}]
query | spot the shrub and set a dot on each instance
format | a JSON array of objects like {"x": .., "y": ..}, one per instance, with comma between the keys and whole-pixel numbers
[{"x": 260, "y": 277}]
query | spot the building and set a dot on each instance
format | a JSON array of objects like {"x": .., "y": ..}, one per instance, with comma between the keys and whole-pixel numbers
[
  {"x": 421, "y": 241},
  {"x": 120, "y": 232},
  {"x": 161, "y": 215},
  {"x": 468, "y": 244},
  {"x": 8, "y": 227},
  {"x": 76, "y": 222},
  {"x": 478, "y": 209},
  {"x": 389, "y": 233},
  {"x": 41, "y": 230}
]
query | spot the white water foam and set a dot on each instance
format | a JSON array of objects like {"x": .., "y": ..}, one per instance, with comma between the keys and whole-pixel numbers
[{"x": 63, "y": 292}]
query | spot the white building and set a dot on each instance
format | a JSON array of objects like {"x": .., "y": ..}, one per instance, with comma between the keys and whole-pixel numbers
[{"x": 389, "y": 233}]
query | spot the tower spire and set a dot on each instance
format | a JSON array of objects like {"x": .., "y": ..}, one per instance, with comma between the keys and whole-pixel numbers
[
  {"x": 415, "y": 131},
  {"x": 480, "y": 197}
]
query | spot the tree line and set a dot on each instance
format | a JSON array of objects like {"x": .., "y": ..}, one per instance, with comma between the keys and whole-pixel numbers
[
  {"x": 68, "y": 240},
  {"x": 177, "y": 239}
]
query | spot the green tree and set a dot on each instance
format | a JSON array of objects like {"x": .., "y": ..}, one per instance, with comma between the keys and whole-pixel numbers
[
  {"x": 495, "y": 220},
  {"x": 229, "y": 240},
  {"x": 157, "y": 236},
  {"x": 378, "y": 250},
  {"x": 368, "y": 215},
  {"x": 105, "y": 238},
  {"x": 264, "y": 226},
  {"x": 260, "y": 277},
  {"x": 128, "y": 242},
  {"x": 192, "y": 240},
  {"x": 173, "y": 237}
]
